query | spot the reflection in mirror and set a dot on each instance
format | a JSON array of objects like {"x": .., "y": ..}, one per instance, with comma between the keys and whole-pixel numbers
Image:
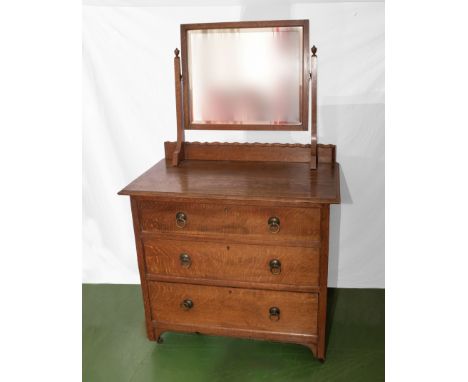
[{"x": 245, "y": 76}]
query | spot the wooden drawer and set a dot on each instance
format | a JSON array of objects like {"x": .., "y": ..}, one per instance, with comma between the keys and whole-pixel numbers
[
  {"x": 234, "y": 308},
  {"x": 298, "y": 266},
  {"x": 252, "y": 222}
]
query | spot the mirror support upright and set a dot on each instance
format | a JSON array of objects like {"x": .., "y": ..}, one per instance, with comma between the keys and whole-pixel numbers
[
  {"x": 313, "y": 80},
  {"x": 178, "y": 154}
]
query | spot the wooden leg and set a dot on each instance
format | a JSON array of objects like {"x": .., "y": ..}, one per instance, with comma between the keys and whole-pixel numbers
[
  {"x": 141, "y": 268},
  {"x": 158, "y": 333},
  {"x": 313, "y": 348},
  {"x": 322, "y": 308},
  {"x": 321, "y": 352},
  {"x": 150, "y": 334}
]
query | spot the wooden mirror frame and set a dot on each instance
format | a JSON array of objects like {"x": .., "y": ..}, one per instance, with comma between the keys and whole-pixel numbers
[
  {"x": 312, "y": 153},
  {"x": 304, "y": 106}
]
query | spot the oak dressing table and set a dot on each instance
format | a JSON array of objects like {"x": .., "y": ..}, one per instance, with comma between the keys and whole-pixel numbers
[{"x": 232, "y": 238}]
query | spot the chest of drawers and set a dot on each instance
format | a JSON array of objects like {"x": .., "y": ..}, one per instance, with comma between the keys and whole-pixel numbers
[{"x": 235, "y": 248}]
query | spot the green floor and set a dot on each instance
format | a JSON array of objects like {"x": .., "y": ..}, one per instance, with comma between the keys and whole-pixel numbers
[{"x": 115, "y": 347}]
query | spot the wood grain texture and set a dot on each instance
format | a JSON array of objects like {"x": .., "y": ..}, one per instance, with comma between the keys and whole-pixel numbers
[
  {"x": 313, "y": 128},
  {"x": 234, "y": 308},
  {"x": 214, "y": 237},
  {"x": 308, "y": 340},
  {"x": 142, "y": 270},
  {"x": 322, "y": 310},
  {"x": 232, "y": 283},
  {"x": 178, "y": 153},
  {"x": 230, "y": 246},
  {"x": 115, "y": 350},
  {"x": 288, "y": 183},
  {"x": 233, "y": 262},
  {"x": 296, "y": 224},
  {"x": 252, "y": 152},
  {"x": 326, "y": 153},
  {"x": 227, "y": 193}
]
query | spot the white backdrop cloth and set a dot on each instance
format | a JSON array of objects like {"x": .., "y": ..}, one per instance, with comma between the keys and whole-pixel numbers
[{"x": 129, "y": 111}]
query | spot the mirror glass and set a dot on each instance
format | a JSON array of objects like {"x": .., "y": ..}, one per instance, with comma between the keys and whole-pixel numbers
[{"x": 247, "y": 76}]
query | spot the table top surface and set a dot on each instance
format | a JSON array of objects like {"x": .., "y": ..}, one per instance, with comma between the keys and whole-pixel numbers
[{"x": 275, "y": 181}]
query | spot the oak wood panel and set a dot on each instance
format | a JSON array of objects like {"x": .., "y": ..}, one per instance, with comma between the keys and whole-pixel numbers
[
  {"x": 322, "y": 310},
  {"x": 141, "y": 267},
  {"x": 251, "y": 221},
  {"x": 253, "y": 152},
  {"x": 326, "y": 153},
  {"x": 232, "y": 283},
  {"x": 247, "y": 181},
  {"x": 239, "y": 262},
  {"x": 309, "y": 340},
  {"x": 234, "y": 307},
  {"x": 229, "y": 239}
]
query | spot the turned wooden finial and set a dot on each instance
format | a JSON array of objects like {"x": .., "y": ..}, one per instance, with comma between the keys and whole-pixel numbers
[
  {"x": 176, "y": 52},
  {"x": 314, "y": 50}
]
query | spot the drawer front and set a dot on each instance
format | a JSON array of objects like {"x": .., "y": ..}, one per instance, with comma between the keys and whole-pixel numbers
[
  {"x": 244, "y": 221},
  {"x": 234, "y": 307},
  {"x": 240, "y": 262}
]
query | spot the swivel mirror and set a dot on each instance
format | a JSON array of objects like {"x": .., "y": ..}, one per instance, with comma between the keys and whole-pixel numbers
[{"x": 246, "y": 75}]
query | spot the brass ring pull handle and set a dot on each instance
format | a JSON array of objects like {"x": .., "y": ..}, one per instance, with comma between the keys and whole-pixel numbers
[
  {"x": 181, "y": 219},
  {"x": 274, "y": 314},
  {"x": 274, "y": 224},
  {"x": 185, "y": 260},
  {"x": 275, "y": 266},
  {"x": 186, "y": 304}
]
